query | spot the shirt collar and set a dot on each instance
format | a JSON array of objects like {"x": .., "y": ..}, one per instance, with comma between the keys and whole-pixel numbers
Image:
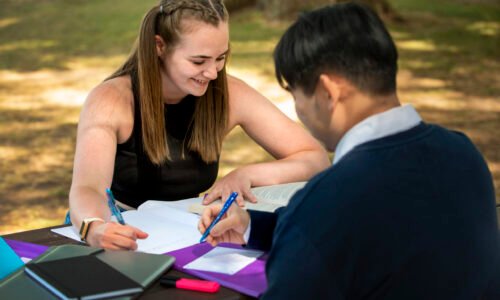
[{"x": 387, "y": 123}]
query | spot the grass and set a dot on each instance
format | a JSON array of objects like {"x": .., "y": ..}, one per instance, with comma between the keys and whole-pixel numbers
[
  {"x": 49, "y": 34},
  {"x": 53, "y": 52},
  {"x": 452, "y": 42},
  {"x": 252, "y": 42}
]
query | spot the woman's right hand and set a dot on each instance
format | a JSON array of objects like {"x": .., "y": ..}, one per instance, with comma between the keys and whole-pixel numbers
[{"x": 114, "y": 236}]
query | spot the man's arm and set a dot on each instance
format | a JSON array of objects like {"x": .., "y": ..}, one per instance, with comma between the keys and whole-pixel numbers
[
  {"x": 234, "y": 226},
  {"x": 262, "y": 229}
]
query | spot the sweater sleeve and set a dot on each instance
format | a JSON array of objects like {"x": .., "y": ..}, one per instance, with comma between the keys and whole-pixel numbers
[{"x": 262, "y": 228}]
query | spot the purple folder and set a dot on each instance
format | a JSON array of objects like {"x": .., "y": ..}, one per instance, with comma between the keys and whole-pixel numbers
[{"x": 251, "y": 280}]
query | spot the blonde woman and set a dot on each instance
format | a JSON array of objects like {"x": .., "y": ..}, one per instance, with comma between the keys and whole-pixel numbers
[{"x": 154, "y": 129}]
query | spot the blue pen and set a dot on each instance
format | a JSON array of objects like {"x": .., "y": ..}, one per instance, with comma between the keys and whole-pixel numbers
[
  {"x": 226, "y": 206},
  {"x": 112, "y": 206}
]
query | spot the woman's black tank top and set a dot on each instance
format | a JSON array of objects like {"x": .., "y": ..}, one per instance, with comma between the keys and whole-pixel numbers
[{"x": 136, "y": 179}]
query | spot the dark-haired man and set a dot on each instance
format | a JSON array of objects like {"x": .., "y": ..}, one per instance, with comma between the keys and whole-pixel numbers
[{"x": 407, "y": 211}]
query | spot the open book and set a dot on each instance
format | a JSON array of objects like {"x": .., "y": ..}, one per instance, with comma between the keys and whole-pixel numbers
[
  {"x": 269, "y": 198},
  {"x": 171, "y": 226},
  {"x": 168, "y": 228}
]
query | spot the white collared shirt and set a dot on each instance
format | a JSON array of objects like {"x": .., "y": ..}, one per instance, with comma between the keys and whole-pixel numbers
[{"x": 387, "y": 123}]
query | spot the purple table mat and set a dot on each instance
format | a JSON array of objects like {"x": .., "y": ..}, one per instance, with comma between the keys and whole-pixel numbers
[
  {"x": 251, "y": 280},
  {"x": 24, "y": 249}
]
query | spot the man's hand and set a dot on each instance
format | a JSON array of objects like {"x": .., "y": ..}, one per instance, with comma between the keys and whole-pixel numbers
[
  {"x": 114, "y": 236},
  {"x": 230, "y": 228}
]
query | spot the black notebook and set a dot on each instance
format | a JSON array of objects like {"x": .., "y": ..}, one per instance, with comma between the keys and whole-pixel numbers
[{"x": 82, "y": 277}]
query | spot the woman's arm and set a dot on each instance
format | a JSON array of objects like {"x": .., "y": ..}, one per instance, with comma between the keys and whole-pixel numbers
[
  {"x": 105, "y": 119},
  {"x": 298, "y": 155}
]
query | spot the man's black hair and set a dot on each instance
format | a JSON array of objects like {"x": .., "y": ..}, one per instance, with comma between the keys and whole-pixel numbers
[{"x": 346, "y": 39}]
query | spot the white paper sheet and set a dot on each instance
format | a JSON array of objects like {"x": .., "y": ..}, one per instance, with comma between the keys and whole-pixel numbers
[
  {"x": 224, "y": 260},
  {"x": 168, "y": 228},
  {"x": 182, "y": 205},
  {"x": 69, "y": 232},
  {"x": 172, "y": 210}
]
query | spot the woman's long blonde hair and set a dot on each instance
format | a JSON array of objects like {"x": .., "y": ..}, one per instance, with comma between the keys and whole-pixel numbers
[{"x": 211, "y": 111}]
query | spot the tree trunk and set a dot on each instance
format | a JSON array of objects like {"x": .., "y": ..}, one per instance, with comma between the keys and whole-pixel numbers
[
  {"x": 282, "y": 9},
  {"x": 288, "y": 8},
  {"x": 235, "y": 5},
  {"x": 383, "y": 8}
]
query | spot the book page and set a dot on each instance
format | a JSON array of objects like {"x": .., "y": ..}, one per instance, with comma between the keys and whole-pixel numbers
[
  {"x": 277, "y": 194},
  {"x": 269, "y": 198}
]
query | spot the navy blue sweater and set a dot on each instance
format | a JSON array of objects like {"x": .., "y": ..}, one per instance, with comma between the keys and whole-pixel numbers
[{"x": 408, "y": 216}]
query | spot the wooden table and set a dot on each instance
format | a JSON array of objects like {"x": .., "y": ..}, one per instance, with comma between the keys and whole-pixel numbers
[{"x": 46, "y": 237}]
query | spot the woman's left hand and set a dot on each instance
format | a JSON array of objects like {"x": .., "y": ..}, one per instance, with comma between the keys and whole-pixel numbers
[{"x": 236, "y": 181}]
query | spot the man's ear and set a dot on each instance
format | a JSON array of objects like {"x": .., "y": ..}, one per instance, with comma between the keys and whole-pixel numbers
[
  {"x": 160, "y": 45},
  {"x": 329, "y": 90}
]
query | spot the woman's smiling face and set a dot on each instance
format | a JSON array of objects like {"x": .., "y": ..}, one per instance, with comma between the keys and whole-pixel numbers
[{"x": 195, "y": 60}]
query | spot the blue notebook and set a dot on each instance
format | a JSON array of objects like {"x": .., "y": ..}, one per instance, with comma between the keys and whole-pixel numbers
[{"x": 10, "y": 262}]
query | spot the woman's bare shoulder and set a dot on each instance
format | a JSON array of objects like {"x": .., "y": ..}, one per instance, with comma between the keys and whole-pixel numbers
[
  {"x": 112, "y": 91},
  {"x": 235, "y": 84},
  {"x": 110, "y": 101}
]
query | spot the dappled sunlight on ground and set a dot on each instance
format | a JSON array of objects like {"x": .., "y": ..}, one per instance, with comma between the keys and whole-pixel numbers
[
  {"x": 31, "y": 216},
  {"x": 434, "y": 92},
  {"x": 39, "y": 115},
  {"x": 8, "y": 22},
  {"x": 449, "y": 70},
  {"x": 485, "y": 28},
  {"x": 66, "y": 88}
]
